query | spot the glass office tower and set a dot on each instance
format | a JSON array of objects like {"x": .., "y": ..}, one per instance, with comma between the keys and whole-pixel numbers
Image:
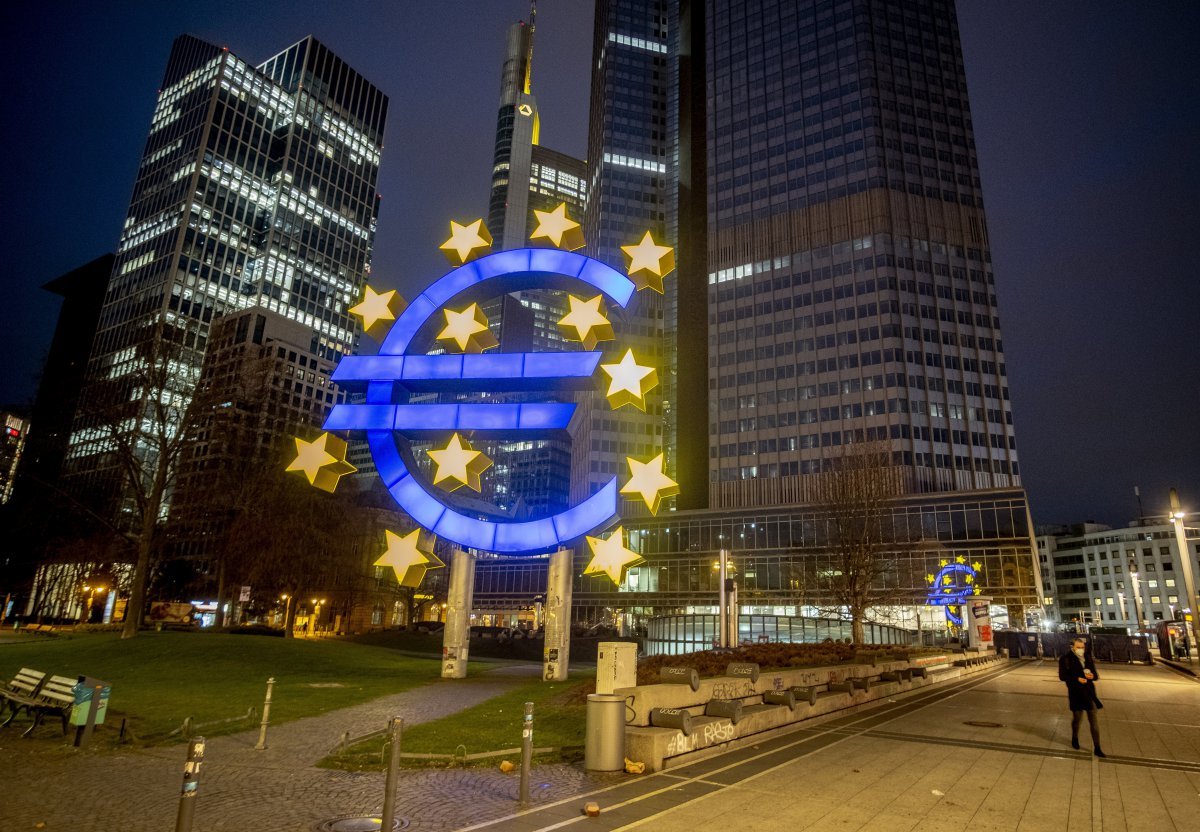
[
  {"x": 814, "y": 164},
  {"x": 257, "y": 186},
  {"x": 851, "y": 294}
]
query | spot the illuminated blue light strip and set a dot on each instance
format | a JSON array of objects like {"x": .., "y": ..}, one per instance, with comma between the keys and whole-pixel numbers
[
  {"x": 508, "y": 368},
  {"x": 382, "y": 419},
  {"x": 417, "y": 418},
  {"x": 501, "y": 538},
  {"x": 618, "y": 288}
]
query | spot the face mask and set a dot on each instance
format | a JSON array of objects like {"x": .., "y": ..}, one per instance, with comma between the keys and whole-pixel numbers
[{"x": 1078, "y": 651}]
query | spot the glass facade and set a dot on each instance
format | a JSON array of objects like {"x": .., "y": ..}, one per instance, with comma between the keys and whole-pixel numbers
[
  {"x": 778, "y": 556},
  {"x": 257, "y": 187},
  {"x": 628, "y": 154},
  {"x": 851, "y": 294}
]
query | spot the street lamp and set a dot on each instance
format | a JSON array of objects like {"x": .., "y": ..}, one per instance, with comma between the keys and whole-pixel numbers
[
  {"x": 287, "y": 609},
  {"x": 1185, "y": 557},
  {"x": 91, "y": 591},
  {"x": 1137, "y": 594},
  {"x": 312, "y": 623}
]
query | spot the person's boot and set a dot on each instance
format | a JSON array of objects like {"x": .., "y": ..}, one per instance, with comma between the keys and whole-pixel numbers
[
  {"x": 1075, "y": 743},
  {"x": 1100, "y": 753}
]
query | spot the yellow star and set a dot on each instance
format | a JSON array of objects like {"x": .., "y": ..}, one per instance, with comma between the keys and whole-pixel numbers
[
  {"x": 468, "y": 329},
  {"x": 611, "y": 557},
  {"x": 648, "y": 480},
  {"x": 968, "y": 579},
  {"x": 459, "y": 461},
  {"x": 323, "y": 461},
  {"x": 929, "y": 579},
  {"x": 630, "y": 382},
  {"x": 466, "y": 242},
  {"x": 978, "y": 591},
  {"x": 947, "y": 580},
  {"x": 960, "y": 559},
  {"x": 976, "y": 566},
  {"x": 376, "y": 308},
  {"x": 408, "y": 559},
  {"x": 943, "y": 563},
  {"x": 557, "y": 228},
  {"x": 589, "y": 320},
  {"x": 648, "y": 263}
]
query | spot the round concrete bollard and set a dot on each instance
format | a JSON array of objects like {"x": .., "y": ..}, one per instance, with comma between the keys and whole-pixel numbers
[
  {"x": 604, "y": 736},
  {"x": 729, "y": 708},
  {"x": 783, "y": 697},
  {"x": 805, "y": 694},
  {"x": 672, "y": 718},
  {"x": 746, "y": 669},
  {"x": 680, "y": 676}
]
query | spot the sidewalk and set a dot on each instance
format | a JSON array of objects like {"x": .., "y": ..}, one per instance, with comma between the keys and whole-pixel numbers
[
  {"x": 132, "y": 790},
  {"x": 990, "y": 752}
]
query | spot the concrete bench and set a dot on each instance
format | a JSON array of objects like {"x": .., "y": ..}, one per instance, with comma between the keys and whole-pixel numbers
[{"x": 721, "y": 709}]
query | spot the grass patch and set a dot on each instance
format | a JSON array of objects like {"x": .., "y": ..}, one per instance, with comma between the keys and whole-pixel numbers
[
  {"x": 559, "y": 711},
  {"x": 159, "y": 679}
]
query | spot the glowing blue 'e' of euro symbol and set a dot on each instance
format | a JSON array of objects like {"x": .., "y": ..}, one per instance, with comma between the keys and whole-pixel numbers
[
  {"x": 959, "y": 592},
  {"x": 384, "y": 421}
]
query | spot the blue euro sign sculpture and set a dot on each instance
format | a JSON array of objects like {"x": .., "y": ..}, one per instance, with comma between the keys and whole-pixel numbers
[
  {"x": 959, "y": 593},
  {"x": 389, "y": 425}
]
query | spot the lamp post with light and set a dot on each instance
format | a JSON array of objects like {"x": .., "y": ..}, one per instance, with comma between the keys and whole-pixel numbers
[
  {"x": 287, "y": 610},
  {"x": 1137, "y": 594},
  {"x": 1185, "y": 557},
  {"x": 312, "y": 622}
]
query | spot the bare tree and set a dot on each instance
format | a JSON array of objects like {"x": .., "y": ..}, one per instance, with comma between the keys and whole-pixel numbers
[
  {"x": 860, "y": 570},
  {"x": 135, "y": 424}
]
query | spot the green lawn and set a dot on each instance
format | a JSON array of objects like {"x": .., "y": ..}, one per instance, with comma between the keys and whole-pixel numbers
[
  {"x": 159, "y": 679},
  {"x": 559, "y": 709}
]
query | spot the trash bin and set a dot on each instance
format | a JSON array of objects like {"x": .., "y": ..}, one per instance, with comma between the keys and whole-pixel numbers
[{"x": 604, "y": 742}]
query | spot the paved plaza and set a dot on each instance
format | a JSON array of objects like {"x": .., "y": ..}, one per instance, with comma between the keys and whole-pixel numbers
[{"x": 989, "y": 752}]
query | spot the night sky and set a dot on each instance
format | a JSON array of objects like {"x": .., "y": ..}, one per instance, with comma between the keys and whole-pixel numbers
[{"x": 1086, "y": 121}]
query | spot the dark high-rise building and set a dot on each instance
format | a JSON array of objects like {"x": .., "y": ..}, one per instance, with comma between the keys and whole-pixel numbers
[
  {"x": 37, "y": 511},
  {"x": 82, "y": 293},
  {"x": 263, "y": 382},
  {"x": 814, "y": 165},
  {"x": 530, "y": 478},
  {"x": 257, "y": 187}
]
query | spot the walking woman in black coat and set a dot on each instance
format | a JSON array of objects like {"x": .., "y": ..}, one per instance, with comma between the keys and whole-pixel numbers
[{"x": 1077, "y": 669}]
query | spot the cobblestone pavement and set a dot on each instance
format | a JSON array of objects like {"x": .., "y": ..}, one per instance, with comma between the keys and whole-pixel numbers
[{"x": 137, "y": 790}]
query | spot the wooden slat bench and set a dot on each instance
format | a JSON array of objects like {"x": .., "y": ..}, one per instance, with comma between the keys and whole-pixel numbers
[{"x": 55, "y": 696}]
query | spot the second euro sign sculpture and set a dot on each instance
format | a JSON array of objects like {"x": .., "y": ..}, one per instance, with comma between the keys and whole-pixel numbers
[{"x": 447, "y": 314}]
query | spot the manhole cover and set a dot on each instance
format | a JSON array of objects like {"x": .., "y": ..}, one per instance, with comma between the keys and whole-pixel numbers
[
  {"x": 984, "y": 724},
  {"x": 357, "y": 823}
]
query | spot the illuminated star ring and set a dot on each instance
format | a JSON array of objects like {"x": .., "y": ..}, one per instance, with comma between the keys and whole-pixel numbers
[{"x": 401, "y": 362}]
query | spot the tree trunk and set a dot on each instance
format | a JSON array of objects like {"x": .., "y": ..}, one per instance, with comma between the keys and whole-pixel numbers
[
  {"x": 289, "y": 623},
  {"x": 220, "y": 619},
  {"x": 136, "y": 608},
  {"x": 856, "y": 629}
]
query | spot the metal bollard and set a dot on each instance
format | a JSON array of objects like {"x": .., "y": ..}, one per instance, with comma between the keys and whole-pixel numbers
[
  {"x": 191, "y": 784},
  {"x": 261, "y": 745},
  {"x": 395, "y": 730},
  {"x": 526, "y": 751}
]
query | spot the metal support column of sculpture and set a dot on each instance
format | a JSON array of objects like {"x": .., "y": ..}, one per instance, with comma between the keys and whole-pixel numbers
[
  {"x": 457, "y": 638},
  {"x": 558, "y": 617}
]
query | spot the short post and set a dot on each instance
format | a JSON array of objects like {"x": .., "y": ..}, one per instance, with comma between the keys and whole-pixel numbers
[
  {"x": 261, "y": 745},
  {"x": 191, "y": 784},
  {"x": 387, "y": 817},
  {"x": 526, "y": 751}
]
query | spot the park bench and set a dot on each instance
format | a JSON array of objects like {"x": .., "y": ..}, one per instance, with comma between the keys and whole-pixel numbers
[
  {"x": 25, "y": 683},
  {"x": 55, "y": 696}
]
